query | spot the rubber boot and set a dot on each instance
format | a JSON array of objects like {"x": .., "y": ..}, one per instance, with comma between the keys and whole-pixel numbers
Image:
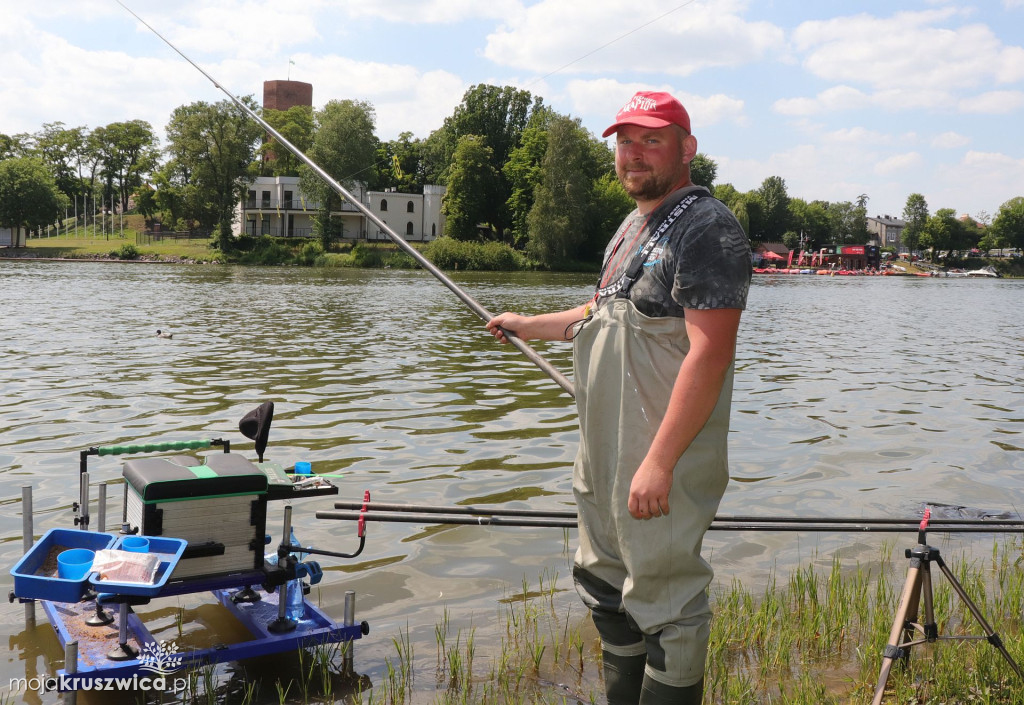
[
  {"x": 656, "y": 693},
  {"x": 623, "y": 678}
]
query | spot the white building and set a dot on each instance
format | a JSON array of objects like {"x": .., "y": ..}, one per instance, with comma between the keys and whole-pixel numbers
[
  {"x": 276, "y": 206},
  {"x": 12, "y": 237}
]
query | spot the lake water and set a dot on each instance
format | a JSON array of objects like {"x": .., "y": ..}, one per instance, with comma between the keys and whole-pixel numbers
[{"x": 855, "y": 396}]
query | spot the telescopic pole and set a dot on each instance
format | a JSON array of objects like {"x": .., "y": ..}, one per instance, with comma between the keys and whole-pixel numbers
[{"x": 473, "y": 305}]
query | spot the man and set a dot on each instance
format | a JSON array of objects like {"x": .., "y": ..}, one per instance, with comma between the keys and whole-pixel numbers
[{"x": 653, "y": 355}]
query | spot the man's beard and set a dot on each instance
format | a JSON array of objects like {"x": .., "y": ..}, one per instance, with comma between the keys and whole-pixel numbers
[{"x": 649, "y": 187}]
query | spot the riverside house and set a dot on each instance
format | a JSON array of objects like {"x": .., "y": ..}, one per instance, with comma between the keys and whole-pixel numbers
[{"x": 276, "y": 206}]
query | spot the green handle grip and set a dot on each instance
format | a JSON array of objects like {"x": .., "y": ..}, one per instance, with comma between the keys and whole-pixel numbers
[{"x": 153, "y": 447}]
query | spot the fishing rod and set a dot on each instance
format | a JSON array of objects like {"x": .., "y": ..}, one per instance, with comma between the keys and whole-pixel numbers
[
  {"x": 472, "y": 303},
  {"x": 740, "y": 519},
  {"x": 819, "y": 525}
]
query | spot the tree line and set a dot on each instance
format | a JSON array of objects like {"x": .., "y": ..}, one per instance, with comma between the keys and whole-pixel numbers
[{"x": 516, "y": 172}]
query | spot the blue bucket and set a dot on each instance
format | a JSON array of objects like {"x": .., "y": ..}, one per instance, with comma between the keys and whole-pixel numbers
[
  {"x": 135, "y": 544},
  {"x": 74, "y": 564}
]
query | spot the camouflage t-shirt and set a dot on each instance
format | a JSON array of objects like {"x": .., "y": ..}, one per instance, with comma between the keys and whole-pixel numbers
[{"x": 702, "y": 261}]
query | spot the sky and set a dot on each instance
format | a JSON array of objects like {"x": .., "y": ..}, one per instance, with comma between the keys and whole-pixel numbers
[{"x": 840, "y": 99}]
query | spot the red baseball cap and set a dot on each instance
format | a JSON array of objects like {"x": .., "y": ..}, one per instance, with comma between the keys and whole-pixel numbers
[{"x": 651, "y": 109}]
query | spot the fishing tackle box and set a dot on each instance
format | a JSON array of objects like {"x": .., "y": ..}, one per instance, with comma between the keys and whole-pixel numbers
[{"x": 218, "y": 505}]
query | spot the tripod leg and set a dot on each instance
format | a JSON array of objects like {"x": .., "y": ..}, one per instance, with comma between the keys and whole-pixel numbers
[
  {"x": 908, "y": 601},
  {"x": 924, "y": 590},
  {"x": 993, "y": 638},
  {"x": 929, "y": 626}
]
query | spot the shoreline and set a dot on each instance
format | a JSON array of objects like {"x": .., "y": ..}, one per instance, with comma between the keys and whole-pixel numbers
[{"x": 24, "y": 254}]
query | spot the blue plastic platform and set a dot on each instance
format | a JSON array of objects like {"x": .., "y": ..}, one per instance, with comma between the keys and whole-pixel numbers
[{"x": 316, "y": 628}]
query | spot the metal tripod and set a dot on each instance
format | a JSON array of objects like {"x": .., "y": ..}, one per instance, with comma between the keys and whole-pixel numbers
[{"x": 918, "y": 585}]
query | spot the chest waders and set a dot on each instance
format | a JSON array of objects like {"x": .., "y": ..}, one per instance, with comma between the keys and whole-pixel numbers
[{"x": 644, "y": 581}]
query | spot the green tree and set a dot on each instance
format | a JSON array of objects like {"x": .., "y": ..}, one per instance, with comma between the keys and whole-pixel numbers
[
  {"x": 20, "y": 145},
  {"x": 1008, "y": 225},
  {"x": 915, "y": 215},
  {"x": 294, "y": 124},
  {"x": 941, "y": 232},
  {"x": 172, "y": 195},
  {"x": 127, "y": 152},
  {"x": 736, "y": 201},
  {"x": 727, "y": 194},
  {"x": 63, "y": 150},
  {"x": 703, "y": 171},
  {"x": 345, "y": 146},
  {"x": 498, "y": 115},
  {"x": 611, "y": 204},
  {"x": 560, "y": 219},
  {"x": 846, "y": 224},
  {"x": 29, "y": 197},
  {"x": 810, "y": 221},
  {"x": 524, "y": 173},
  {"x": 970, "y": 234},
  {"x": 752, "y": 208},
  {"x": 213, "y": 147},
  {"x": 8, "y": 147},
  {"x": 400, "y": 164},
  {"x": 775, "y": 204},
  {"x": 472, "y": 183}
]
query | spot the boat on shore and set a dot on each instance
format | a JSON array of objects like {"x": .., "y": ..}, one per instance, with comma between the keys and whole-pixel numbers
[{"x": 988, "y": 271}]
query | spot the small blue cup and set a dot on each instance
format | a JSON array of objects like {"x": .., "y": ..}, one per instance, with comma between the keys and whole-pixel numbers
[
  {"x": 74, "y": 563},
  {"x": 135, "y": 544}
]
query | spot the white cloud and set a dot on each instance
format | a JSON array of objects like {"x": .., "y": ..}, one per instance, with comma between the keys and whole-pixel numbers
[
  {"x": 993, "y": 103},
  {"x": 845, "y": 98},
  {"x": 909, "y": 50},
  {"x": 950, "y": 140},
  {"x": 998, "y": 176},
  {"x": 656, "y": 38},
  {"x": 898, "y": 163},
  {"x": 47, "y": 74},
  {"x": 835, "y": 98},
  {"x": 432, "y": 11},
  {"x": 252, "y": 29},
  {"x": 812, "y": 171},
  {"x": 404, "y": 97}
]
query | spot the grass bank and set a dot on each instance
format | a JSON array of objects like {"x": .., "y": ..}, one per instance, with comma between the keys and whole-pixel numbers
[
  {"x": 128, "y": 243},
  {"x": 96, "y": 244},
  {"x": 814, "y": 637}
]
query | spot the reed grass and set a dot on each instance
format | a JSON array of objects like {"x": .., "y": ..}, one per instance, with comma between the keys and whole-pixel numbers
[{"x": 814, "y": 638}]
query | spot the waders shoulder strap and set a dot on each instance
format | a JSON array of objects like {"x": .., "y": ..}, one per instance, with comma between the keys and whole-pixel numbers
[{"x": 620, "y": 288}]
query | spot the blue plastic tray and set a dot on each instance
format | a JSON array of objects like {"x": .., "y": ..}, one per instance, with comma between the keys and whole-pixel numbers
[
  {"x": 168, "y": 549},
  {"x": 35, "y": 575}
]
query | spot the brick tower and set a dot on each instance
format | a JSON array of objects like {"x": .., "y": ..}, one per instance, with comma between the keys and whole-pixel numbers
[{"x": 281, "y": 95}]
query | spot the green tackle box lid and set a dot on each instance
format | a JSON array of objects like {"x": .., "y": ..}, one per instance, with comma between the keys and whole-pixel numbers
[{"x": 219, "y": 475}]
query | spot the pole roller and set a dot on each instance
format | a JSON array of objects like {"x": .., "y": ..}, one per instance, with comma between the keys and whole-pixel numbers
[
  {"x": 822, "y": 525},
  {"x": 725, "y": 519}
]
